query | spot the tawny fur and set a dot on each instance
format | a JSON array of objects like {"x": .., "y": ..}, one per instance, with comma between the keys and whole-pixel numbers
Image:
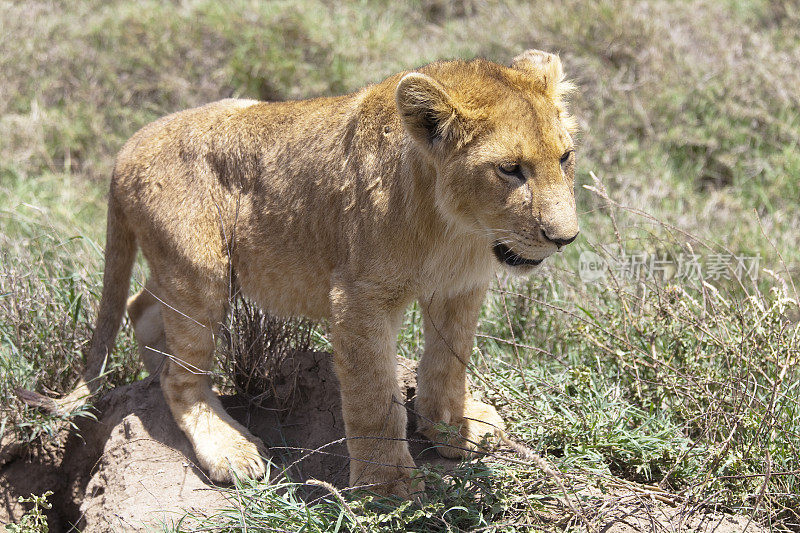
[{"x": 345, "y": 208}]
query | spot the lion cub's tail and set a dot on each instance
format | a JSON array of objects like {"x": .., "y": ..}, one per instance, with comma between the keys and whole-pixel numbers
[{"x": 119, "y": 257}]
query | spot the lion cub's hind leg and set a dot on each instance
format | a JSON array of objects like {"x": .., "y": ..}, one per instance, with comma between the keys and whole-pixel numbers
[
  {"x": 192, "y": 313},
  {"x": 144, "y": 311},
  {"x": 442, "y": 395}
]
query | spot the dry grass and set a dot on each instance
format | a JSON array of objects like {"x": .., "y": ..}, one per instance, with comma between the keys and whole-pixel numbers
[{"x": 253, "y": 347}]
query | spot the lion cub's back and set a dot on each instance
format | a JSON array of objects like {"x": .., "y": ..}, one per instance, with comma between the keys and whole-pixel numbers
[
  {"x": 168, "y": 144},
  {"x": 171, "y": 135},
  {"x": 185, "y": 180},
  {"x": 163, "y": 184}
]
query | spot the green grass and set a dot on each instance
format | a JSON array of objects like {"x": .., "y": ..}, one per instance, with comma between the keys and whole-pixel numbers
[
  {"x": 473, "y": 496},
  {"x": 690, "y": 118},
  {"x": 50, "y": 275}
]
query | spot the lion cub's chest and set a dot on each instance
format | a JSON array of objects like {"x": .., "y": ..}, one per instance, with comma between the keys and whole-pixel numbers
[{"x": 452, "y": 265}]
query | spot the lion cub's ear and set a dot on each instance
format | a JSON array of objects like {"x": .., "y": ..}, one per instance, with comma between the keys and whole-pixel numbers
[
  {"x": 544, "y": 68},
  {"x": 427, "y": 111}
]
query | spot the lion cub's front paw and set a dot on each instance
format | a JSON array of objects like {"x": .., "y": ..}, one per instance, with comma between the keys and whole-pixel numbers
[
  {"x": 232, "y": 454},
  {"x": 480, "y": 428}
]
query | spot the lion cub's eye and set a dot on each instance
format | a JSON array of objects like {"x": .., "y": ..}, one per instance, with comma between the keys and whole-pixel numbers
[
  {"x": 565, "y": 157},
  {"x": 511, "y": 168}
]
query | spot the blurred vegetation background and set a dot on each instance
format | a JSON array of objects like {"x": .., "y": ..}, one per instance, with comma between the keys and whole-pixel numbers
[
  {"x": 690, "y": 142},
  {"x": 688, "y": 109}
]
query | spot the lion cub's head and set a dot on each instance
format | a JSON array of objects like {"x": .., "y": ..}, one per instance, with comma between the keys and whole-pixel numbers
[{"x": 501, "y": 141}]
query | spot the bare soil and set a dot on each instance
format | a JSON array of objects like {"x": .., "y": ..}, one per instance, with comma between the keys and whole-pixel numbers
[{"x": 132, "y": 469}]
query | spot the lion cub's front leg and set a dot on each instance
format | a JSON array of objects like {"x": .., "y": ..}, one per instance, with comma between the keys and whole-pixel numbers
[
  {"x": 442, "y": 395},
  {"x": 364, "y": 339}
]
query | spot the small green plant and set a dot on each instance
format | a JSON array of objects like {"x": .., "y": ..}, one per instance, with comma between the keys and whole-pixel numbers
[{"x": 33, "y": 521}]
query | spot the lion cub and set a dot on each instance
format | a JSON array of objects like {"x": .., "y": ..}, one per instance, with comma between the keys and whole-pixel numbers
[{"x": 346, "y": 208}]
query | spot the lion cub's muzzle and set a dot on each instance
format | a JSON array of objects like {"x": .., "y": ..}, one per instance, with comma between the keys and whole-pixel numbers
[
  {"x": 511, "y": 258},
  {"x": 507, "y": 256}
]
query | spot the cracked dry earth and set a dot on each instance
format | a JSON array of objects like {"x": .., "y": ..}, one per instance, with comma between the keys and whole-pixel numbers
[{"x": 132, "y": 469}]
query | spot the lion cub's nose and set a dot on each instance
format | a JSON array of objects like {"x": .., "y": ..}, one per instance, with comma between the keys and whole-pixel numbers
[{"x": 560, "y": 241}]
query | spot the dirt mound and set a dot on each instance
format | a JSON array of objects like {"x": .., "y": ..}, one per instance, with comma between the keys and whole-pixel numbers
[{"x": 133, "y": 469}]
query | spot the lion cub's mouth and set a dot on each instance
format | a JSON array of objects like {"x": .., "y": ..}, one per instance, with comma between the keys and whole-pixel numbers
[{"x": 505, "y": 255}]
